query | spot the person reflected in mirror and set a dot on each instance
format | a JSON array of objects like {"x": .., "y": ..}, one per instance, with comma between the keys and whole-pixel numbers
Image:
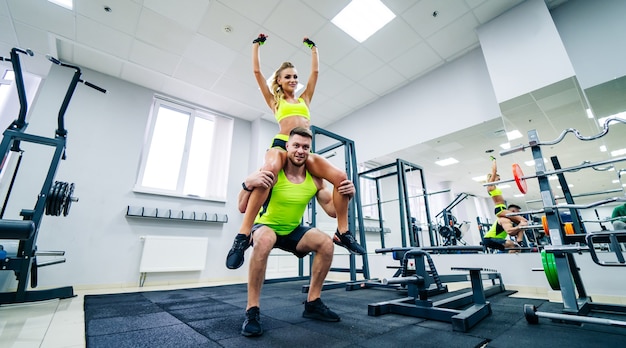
[
  {"x": 505, "y": 233},
  {"x": 496, "y": 195},
  {"x": 618, "y": 217}
]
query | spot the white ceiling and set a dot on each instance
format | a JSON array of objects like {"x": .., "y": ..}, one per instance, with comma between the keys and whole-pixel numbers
[{"x": 183, "y": 49}]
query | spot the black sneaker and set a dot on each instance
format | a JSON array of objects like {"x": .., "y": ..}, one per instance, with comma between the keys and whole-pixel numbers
[
  {"x": 347, "y": 241},
  {"x": 318, "y": 310},
  {"x": 234, "y": 259},
  {"x": 522, "y": 244},
  {"x": 252, "y": 325}
]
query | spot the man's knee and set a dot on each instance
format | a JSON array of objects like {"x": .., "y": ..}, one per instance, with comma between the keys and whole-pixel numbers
[
  {"x": 619, "y": 225},
  {"x": 264, "y": 239},
  {"x": 317, "y": 241}
]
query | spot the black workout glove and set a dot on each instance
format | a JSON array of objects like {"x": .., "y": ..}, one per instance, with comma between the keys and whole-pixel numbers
[
  {"x": 261, "y": 40},
  {"x": 308, "y": 43},
  {"x": 492, "y": 158}
]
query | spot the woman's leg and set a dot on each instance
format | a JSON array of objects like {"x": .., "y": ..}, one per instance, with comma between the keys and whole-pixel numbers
[
  {"x": 274, "y": 161},
  {"x": 322, "y": 168}
]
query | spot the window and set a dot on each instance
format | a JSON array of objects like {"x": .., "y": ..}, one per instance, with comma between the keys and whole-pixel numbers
[{"x": 186, "y": 152}]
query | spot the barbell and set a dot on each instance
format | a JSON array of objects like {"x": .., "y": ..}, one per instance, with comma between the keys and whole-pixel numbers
[{"x": 520, "y": 179}]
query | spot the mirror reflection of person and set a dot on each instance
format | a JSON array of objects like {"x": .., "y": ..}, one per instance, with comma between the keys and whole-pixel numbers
[
  {"x": 499, "y": 235},
  {"x": 619, "y": 214},
  {"x": 496, "y": 195}
]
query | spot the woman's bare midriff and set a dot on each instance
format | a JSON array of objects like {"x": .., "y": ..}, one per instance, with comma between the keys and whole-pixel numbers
[{"x": 288, "y": 123}]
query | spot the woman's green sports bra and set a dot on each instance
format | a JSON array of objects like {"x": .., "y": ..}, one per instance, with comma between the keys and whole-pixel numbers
[{"x": 286, "y": 109}]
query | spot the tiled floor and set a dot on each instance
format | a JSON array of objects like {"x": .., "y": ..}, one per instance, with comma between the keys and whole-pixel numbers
[
  {"x": 55, "y": 323},
  {"x": 60, "y": 323}
]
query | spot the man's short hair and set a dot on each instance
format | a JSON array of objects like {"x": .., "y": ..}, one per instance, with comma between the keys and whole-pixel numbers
[
  {"x": 301, "y": 131},
  {"x": 514, "y": 206}
]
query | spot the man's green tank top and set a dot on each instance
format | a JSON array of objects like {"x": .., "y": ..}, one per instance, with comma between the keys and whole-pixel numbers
[
  {"x": 287, "y": 203},
  {"x": 496, "y": 231}
]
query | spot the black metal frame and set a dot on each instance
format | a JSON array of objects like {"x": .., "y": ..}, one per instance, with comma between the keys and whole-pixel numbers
[
  {"x": 417, "y": 304},
  {"x": 576, "y": 302},
  {"x": 24, "y": 264},
  {"x": 399, "y": 168}
]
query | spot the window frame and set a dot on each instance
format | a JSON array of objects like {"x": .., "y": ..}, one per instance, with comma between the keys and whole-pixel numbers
[{"x": 223, "y": 130}]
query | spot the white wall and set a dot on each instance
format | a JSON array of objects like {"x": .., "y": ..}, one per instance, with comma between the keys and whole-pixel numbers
[
  {"x": 593, "y": 35},
  {"x": 105, "y": 137},
  {"x": 422, "y": 110},
  {"x": 523, "y": 50}
]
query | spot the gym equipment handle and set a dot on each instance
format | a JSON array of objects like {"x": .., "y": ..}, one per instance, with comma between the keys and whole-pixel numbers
[
  {"x": 100, "y": 89},
  {"x": 402, "y": 280}
]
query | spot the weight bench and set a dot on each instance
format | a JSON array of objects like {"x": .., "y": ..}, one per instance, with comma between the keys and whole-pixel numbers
[
  {"x": 418, "y": 305},
  {"x": 24, "y": 264}
]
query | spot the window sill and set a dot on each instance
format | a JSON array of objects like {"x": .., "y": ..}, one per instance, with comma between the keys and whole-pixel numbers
[{"x": 176, "y": 195}]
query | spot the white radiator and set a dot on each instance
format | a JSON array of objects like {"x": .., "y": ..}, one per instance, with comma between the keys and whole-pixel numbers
[{"x": 173, "y": 254}]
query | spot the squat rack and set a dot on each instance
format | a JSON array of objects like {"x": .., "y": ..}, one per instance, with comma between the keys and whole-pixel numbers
[
  {"x": 576, "y": 303},
  {"x": 399, "y": 169}
]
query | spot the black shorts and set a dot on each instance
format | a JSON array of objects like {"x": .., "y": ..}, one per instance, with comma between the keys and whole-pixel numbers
[
  {"x": 494, "y": 243},
  {"x": 290, "y": 241},
  {"x": 499, "y": 208},
  {"x": 279, "y": 143}
]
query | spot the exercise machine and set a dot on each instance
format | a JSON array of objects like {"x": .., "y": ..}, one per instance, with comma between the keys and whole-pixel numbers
[
  {"x": 474, "y": 305},
  {"x": 559, "y": 263},
  {"x": 54, "y": 198}
]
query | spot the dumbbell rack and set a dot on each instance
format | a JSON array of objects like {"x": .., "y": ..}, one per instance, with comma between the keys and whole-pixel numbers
[
  {"x": 24, "y": 263},
  {"x": 576, "y": 302}
]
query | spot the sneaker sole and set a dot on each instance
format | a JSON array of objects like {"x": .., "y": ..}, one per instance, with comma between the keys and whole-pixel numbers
[
  {"x": 319, "y": 317},
  {"x": 229, "y": 265},
  {"x": 251, "y": 334},
  {"x": 345, "y": 247}
]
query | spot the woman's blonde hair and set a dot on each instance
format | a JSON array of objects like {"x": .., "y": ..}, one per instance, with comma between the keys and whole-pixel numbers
[{"x": 276, "y": 90}]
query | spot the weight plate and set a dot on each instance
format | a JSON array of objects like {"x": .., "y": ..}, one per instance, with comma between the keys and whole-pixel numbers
[
  {"x": 549, "y": 268},
  {"x": 519, "y": 178},
  {"x": 68, "y": 201},
  {"x": 569, "y": 228},
  {"x": 544, "y": 222},
  {"x": 530, "y": 314}
]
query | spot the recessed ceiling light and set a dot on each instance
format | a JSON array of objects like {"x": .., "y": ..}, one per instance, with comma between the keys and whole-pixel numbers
[
  {"x": 589, "y": 113},
  {"x": 446, "y": 162},
  {"x": 602, "y": 148},
  {"x": 362, "y": 18},
  {"x": 480, "y": 178},
  {"x": 618, "y": 152},
  {"x": 514, "y": 134},
  {"x": 68, "y": 4},
  {"x": 603, "y": 119},
  {"x": 505, "y": 146}
]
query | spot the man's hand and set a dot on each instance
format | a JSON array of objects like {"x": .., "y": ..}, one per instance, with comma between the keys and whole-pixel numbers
[
  {"x": 346, "y": 188},
  {"x": 261, "y": 179}
]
